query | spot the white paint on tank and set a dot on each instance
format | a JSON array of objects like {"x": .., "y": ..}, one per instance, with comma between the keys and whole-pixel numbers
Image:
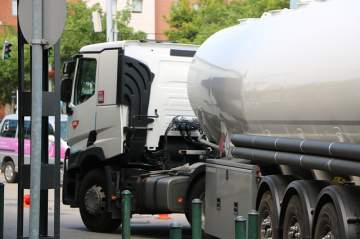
[{"x": 295, "y": 74}]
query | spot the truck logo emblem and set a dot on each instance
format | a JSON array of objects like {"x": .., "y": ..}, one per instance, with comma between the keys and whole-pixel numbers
[{"x": 75, "y": 123}]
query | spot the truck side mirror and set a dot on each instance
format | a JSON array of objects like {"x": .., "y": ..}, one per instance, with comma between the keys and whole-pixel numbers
[{"x": 66, "y": 85}]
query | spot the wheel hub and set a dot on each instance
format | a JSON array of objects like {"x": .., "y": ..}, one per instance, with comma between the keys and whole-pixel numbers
[
  {"x": 294, "y": 231},
  {"x": 94, "y": 200},
  {"x": 8, "y": 172},
  {"x": 266, "y": 231},
  {"x": 329, "y": 235}
]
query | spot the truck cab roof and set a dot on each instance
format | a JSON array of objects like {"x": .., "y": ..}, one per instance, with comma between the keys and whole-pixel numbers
[{"x": 99, "y": 47}]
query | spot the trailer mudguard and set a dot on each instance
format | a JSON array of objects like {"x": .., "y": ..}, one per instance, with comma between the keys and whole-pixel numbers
[
  {"x": 307, "y": 190},
  {"x": 346, "y": 201}
]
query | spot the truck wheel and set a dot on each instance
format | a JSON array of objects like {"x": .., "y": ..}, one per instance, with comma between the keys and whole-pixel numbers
[
  {"x": 10, "y": 174},
  {"x": 294, "y": 221},
  {"x": 327, "y": 225},
  {"x": 92, "y": 203},
  {"x": 267, "y": 216},
  {"x": 197, "y": 191}
]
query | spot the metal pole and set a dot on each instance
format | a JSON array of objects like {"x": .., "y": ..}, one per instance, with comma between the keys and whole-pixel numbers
[
  {"x": 57, "y": 144},
  {"x": 20, "y": 112},
  {"x": 36, "y": 117},
  {"x": 114, "y": 22},
  {"x": 126, "y": 214},
  {"x": 109, "y": 34},
  {"x": 240, "y": 227},
  {"x": 175, "y": 230},
  {"x": 1, "y": 211},
  {"x": 44, "y": 202},
  {"x": 196, "y": 219},
  {"x": 253, "y": 230}
]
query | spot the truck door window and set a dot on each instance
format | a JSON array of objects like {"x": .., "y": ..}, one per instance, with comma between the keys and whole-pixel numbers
[
  {"x": 85, "y": 80},
  {"x": 9, "y": 129}
]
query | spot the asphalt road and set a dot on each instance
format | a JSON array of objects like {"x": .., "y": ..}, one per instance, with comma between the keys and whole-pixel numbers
[{"x": 143, "y": 226}]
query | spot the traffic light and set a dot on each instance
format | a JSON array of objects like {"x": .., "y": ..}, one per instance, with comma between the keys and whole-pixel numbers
[{"x": 6, "y": 50}]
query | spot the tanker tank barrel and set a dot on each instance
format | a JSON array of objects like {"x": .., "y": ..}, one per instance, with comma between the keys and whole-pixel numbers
[{"x": 302, "y": 146}]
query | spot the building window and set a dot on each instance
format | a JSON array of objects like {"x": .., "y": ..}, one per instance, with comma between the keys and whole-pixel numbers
[
  {"x": 137, "y": 6},
  {"x": 14, "y": 7}
]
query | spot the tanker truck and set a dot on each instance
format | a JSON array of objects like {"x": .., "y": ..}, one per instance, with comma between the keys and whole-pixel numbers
[
  {"x": 131, "y": 127},
  {"x": 280, "y": 96}
]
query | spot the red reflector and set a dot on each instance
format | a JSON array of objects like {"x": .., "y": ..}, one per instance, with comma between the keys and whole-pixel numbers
[
  {"x": 101, "y": 97},
  {"x": 180, "y": 200},
  {"x": 74, "y": 124}
]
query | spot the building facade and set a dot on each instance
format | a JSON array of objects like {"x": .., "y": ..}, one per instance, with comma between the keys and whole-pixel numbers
[
  {"x": 8, "y": 13},
  {"x": 148, "y": 16}
]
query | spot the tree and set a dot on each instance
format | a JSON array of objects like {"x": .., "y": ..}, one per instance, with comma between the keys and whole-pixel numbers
[
  {"x": 190, "y": 24},
  {"x": 78, "y": 32},
  {"x": 8, "y": 68}
]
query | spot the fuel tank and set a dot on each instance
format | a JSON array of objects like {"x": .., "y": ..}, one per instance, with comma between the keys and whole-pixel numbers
[{"x": 295, "y": 74}]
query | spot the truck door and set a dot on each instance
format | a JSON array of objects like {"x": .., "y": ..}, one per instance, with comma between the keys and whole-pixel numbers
[{"x": 83, "y": 103}]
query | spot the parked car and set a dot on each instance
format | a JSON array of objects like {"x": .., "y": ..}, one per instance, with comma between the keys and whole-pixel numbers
[{"x": 9, "y": 144}]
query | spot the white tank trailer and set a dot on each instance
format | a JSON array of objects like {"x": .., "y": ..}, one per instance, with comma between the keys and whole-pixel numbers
[{"x": 283, "y": 92}]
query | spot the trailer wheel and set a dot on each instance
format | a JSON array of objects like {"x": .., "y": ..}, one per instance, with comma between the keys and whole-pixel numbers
[
  {"x": 197, "y": 191},
  {"x": 327, "y": 224},
  {"x": 92, "y": 203},
  {"x": 294, "y": 221},
  {"x": 267, "y": 216}
]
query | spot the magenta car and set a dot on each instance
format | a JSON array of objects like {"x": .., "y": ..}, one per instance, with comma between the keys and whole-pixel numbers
[{"x": 9, "y": 144}]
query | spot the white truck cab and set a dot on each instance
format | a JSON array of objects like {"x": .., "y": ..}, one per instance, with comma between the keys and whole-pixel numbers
[{"x": 129, "y": 116}]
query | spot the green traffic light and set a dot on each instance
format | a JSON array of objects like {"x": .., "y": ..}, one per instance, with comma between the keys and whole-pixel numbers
[{"x": 7, "y": 50}]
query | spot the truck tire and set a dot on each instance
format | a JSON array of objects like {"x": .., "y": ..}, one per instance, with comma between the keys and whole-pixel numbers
[
  {"x": 10, "y": 174},
  {"x": 294, "y": 222},
  {"x": 267, "y": 214},
  {"x": 197, "y": 191},
  {"x": 92, "y": 203},
  {"x": 327, "y": 224}
]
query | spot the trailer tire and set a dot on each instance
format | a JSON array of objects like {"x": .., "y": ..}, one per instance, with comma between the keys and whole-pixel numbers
[
  {"x": 294, "y": 221},
  {"x": 327, "y": 222},
  {"x": 266, "y": 212},
  {"x": 92, "y": 203},
  {"x": 197, "y": 191}
]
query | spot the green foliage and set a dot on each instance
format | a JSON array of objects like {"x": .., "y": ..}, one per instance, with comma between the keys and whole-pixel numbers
[
  {"x": 8, "y": 68},
  {"x": 78, "y": 32},
  {"x": 190, "y": 24}
]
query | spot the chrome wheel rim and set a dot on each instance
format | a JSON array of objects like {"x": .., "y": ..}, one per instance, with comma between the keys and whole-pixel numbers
[
  {"x": 329, "y": 235},
  {"x": 266, "y": 231},
  {"x": 294, "y": 231},
  {"x": 95, "y": 200},
  {"x": 9, "y": 172}
]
